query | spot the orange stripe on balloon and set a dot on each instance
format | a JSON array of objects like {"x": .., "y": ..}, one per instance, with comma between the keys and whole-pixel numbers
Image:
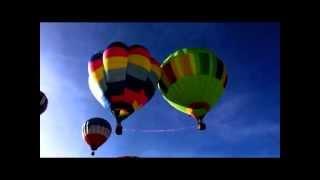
[{"x": 185, "y": 65}]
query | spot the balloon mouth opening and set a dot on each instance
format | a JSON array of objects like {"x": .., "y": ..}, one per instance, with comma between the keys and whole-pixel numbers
[
  {"x": 121, "y": 114},
  {"x": 93, "y": 148},
  {"x": 199, "y": 105},
  {"x": 198, "y": 110}
]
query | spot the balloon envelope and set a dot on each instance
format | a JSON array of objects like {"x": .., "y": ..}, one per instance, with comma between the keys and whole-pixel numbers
[
  {"x": 43, "y": 102},
  {"x": 95, "y": 132},
  {"x": 193, "y": 79},
  {"x": 123, "y": 78}
]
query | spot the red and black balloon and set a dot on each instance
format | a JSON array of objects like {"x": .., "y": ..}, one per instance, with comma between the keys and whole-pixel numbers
[{"x": 96, "y": 132}]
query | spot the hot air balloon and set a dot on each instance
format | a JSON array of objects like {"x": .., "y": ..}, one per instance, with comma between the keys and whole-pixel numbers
[
  {"x": 192, "y": 81},
  {"x": 95, "y": 132},
  {"x": 43, "y": 102},
  {"x": 123, "y": 79}
]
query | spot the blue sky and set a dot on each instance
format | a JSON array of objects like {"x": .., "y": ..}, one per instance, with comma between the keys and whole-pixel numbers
[{"x": 244, "y": 123}]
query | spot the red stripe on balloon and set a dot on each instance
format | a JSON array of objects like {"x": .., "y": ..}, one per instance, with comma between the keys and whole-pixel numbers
[
  {"x": 130, "y": 96},
  {"x": 95, "y": 140},
  {"x": 115, "y": 51},
  {"x": 140, "y": 51},
  {"x": 95, "y": 64},
  {"x": 168, "y": 72}
]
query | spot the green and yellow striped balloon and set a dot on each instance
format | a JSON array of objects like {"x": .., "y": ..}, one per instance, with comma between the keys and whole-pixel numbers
[{"x": 192, "y": 81}]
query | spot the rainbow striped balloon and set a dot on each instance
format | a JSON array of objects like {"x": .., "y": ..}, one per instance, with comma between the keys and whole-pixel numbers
[{"x": 123, "y": 79}]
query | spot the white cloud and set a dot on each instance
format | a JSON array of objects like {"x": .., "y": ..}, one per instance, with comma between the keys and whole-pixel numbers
[{"x": 228, "y": 122}]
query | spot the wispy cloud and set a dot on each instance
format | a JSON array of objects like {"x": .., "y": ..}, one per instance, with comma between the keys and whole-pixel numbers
[
  {"x": 230, "y": 123},
  {"x": 67, "y": 108},
  {"x": 66, "y": 84}
]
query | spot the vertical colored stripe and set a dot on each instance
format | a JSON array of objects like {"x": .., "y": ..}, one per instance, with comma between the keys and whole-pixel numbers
[
  {"x": 204, "y": 63},
  {"x": 169, "y": 73},
  {"x": 192, "y": 61},
  {"x": 185, "y": 64},
  {"x": 175, "y": 65},
  {"x": 197, "y": 63}
]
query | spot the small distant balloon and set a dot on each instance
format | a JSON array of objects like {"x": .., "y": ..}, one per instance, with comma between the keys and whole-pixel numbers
[
  {"x": 43, "y": 102},
  {"x": 96, "y": 132}
]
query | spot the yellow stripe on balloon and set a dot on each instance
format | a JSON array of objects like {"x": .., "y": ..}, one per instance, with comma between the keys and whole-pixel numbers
[
  {"x": 192, "y": 60},
  {"x": 117, "y": 62},
  {"x": 98, "y": 74},
  {"x": 185, "y": 65},
  {"x": 157, "y": 70},
  {"x": 176, "y": 67},
  {"x": 139, "y": 60}
]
